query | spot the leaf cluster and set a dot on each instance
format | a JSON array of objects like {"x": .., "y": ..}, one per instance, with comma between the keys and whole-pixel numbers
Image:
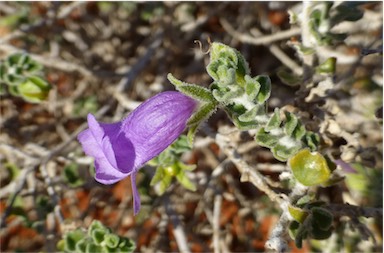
[
  {"x": 169, "y": 166},
  {"x": 98, "y": 238},
  {"x": 310, "y": 221},
  {"x": 23, "y": 78},
  {"x": 245, "y": 100}
]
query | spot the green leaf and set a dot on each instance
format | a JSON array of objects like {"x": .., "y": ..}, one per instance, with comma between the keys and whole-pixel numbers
[
  {"x": 126, "y": 245},
  {"x": 322, "y": 217},
  {"x": 227, "y": 65},
  {"x": 34, "y": 89},
  {"x": 314, "y": 203},
  {"x": 309, "y": 168},
  {"x": 297, "y": 213},
  {"x": 249, "y": 115},
  {"x": 202, "y": 114},
  {"x": 265, "y": 88},
  {"x": 13, "y": 170},
  {"x": 184, "y": 167},
  {"x": 2, "y": 71},
  {"x": 181, "y": 145},
  {"x": 184, "y": 181},
  {"x": 288, "y": 78},
  {"x": 242, "y": 68},
  {"x": 15, "y": 19},
  {"x": 192, "y": 132},
  {"x": 256, "y": 116},
  {"x": 291, "y": 123},
  {"x": 159, "y": 174},
  {"x": 165, "y": 183},
  {"x": 242, "y": 125},
  {"x": 299, "y": 132},
  {"x": 81, "y": 245},
  {"x": 192, "y": 90},
  {"x": 60, "y": 245},
  {"x": 265, "y": 139},
  {"x": 92, "y": 248},
  {"x": 212, "y": 69},
  {"x": 304, "y": 200},
  {"x": 227, "y": 76},
  {"x": 252, "y": 87},
  {"x": 18, "y": 59},
  {"x": 293, "y": 228},
  {"x": 98, "y": 239},
  {"x": 97, "y": 225},
  {"x": 98, "y": 235},
  {"x": 112, "y": 240},
  {"x": 13, "y": 91},
  {"x": 166, "y": 158},
  {"x": 162, "y": 179},
  {"x": 328, "y": 66},
  {"x": 13, "y": 80},
  {"x": 71, "y": 175},
  {"x": 274, "y": 122},
  {"x": 347, "y": 12},
  {"x": 20, "y": 64},
  {"x": 311, "y": 140},
  {"x": 285, "y": 148},
  {"x": 227, "y": 95},
  {"x": 320, "y": 234},
  {"x": 301, "y": 235},
  {"x": 71, "y": 238},
  {"x": 222, "y": 51}
]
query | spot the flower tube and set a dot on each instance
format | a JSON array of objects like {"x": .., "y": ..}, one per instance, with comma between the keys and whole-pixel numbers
[{"x": 120, "y": 149}]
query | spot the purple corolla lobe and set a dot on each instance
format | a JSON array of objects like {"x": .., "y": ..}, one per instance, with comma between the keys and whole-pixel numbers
[{"x": 120, "y": 149}]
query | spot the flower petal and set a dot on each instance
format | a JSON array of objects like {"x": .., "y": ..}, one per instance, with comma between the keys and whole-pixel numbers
[
  {"x": 121, "y": 148},
  {"x": 102, "y": 139},
  {"x": 96, "y": 142},
  {"x": 156, "y": 123}
]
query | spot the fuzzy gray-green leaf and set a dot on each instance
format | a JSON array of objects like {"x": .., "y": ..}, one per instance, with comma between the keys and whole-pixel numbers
[
  {"x": 257, "y": 113},
  {"x": 222, "y": 51},
  {"x": 282, "y": 152},
  {"x": 291, "y": 123},
  {"x": 265, "y": 88},
  {"x": 299, "y": 131},
  {"x": 311, "y": 140},
  {"x": 275, "y": 121},
  {"x": 192, "y": 90},
  {"x": 264, "y": 139},
  {"x": 227, "y": 76},
  {"x": 248, "y": 115},
  {"x": 226, "y": 96},
  {"x": 252, "y": 87},
  {"x": 202, "y": 113}
]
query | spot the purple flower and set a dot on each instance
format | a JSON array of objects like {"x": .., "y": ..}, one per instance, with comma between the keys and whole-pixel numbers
[{"x": 121, "y": 149}]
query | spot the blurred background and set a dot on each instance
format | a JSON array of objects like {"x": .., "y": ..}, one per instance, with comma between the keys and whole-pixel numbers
[{"x": 108, "y": 57}]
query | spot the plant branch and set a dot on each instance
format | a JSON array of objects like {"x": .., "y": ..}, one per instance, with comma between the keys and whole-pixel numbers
[
  {"x": 248, "y": 173},
  {"x": 178, "y": 231},
  {"x": 216, "y": 221},
  {"x": 263, "y": 39},
  {"x": 267, "y": 40}
]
